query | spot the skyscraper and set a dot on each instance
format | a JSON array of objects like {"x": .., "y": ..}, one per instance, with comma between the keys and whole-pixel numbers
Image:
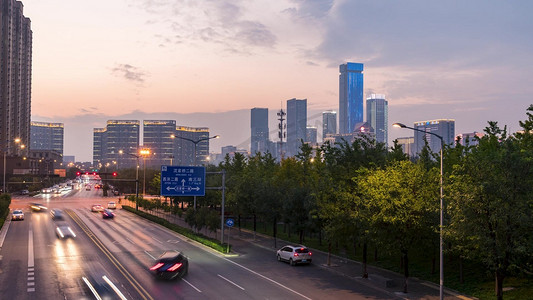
[
  {"x": 259, "y": 130},
  {"x": 47, "y": 136},
  {"x": 115, "y": 143},
  {"x": 187, "y": 143},
  {"x": 296, "y": 124},
  {"x": 311, "y": 135},
  {"x": 377, "y": 115},
  {"x": 442, "y": 127},
  {"x": 15, "y": 79},
  {"x": 329, "y": 123},
  {"x": 157, "y": 138},
  {"x": 350, "y": 96}
]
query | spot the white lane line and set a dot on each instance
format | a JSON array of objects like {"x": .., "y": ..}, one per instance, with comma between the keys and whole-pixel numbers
[
  {"x": 192, "y": 285},
  {"x": 149, "y": 255},
  {"x": 157, "y": 240},
  {"x": 264, "y": 277},
  {"x": 231, "y": 282},
  {"x": 31, "y": 261}
]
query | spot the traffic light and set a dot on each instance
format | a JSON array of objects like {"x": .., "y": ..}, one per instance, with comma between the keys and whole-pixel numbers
[{"x": 78, "y": 173}]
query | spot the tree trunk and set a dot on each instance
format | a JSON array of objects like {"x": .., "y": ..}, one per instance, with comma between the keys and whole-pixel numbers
[
  {"x": 365, "y": 271},
  {"x": 499, "y": 284},
  {"x": 275, "y": 231},
  {"x": 406, "y": 270},
  {"x": 301, "y": 236},
  {"x": 354, "y": 247},
  {"x": 239, "y": 223},
  {"x": 461, "y": 275},
  {"x": 255, "y": 226},
  {"x": 376, "y": 254},
  {"x": 320, "y": 237},
  {"x": 329, "y": 254}
]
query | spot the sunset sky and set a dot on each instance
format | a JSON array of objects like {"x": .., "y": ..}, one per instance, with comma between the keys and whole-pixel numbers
[{"x": 97, "y": 60}]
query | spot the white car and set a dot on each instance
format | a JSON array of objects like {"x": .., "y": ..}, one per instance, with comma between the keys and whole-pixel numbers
[
  {"x": 112, "y": 205},
  {"x": 294, "y": 255},
  {"x": 17, "y": 215},
  {"x": 97, "y": 208}
]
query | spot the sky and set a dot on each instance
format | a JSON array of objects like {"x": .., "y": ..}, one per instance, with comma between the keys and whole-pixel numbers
[{"x": 208, "y": 62}]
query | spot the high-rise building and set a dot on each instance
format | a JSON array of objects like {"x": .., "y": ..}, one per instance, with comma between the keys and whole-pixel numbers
[
  {"x": 311, "y": 135},
  {"x": 377, "y": 115},
  {"x": 157, "y": 137},
  {"x": 408, "y": 144},
  {"x": 189, "y": 141},
  {"x": 47, "y": 136},
  {"x": 329, "y": 123},
  {"x": 15, "y": 80},
  {"x": 296, "y": 124},
  {"x": 470, "y": 139},
  {"x": 442, "y": 127},
  {"x": 259, "y": 130},
  {"x": 350, "y": 96},
  {"x": 113, "y": 145}
]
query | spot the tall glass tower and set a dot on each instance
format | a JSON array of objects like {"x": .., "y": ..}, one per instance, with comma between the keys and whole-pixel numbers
[
  {"x": 296, "y": 124},
  {"x": 329, "y": 123},
  {"x": 350, "y": 96},
  {"x": 259, "y": 130},
  {"x": 377, "y": 111}
]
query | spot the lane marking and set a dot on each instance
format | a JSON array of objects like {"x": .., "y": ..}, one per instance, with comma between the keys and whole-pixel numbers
[
  {"x": 149, "y": 255},
  {"x": 31, "y": 260},
  {"x": 264, "y": 277},
  {"x": 231, "y": 282},
  {"x": 192, "y": 285}
]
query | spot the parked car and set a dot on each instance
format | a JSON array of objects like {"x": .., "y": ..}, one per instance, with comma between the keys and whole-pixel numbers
[
  {"x": 294, "y": 255},
  {"x": 17, "y": 215},
  {"x": 56, "y": 214},
  {"x": 97, "y": 208},
  {"x": 64, "y": 231},
  {"x": 171, "y": 265},
  {"x": 108, "y": 214}
]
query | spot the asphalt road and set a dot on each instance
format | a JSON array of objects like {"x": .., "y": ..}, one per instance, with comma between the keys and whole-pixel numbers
[{"x": 35, "y": 264}]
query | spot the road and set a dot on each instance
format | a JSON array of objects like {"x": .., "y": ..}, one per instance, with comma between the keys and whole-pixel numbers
[{"x": 35, "y": 264}]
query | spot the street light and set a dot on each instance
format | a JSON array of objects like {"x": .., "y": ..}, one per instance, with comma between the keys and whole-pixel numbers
[
  {"x": 136, "y": 179},
  {"x": 195, "y": 142},
  {"x": 441, "y": 281},
  {"x": 144, "y": 153},
  {"x": 17, "y": 140}
]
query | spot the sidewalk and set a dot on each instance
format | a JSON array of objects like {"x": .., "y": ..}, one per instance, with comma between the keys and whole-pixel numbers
[{"x": 380, "y": 279}]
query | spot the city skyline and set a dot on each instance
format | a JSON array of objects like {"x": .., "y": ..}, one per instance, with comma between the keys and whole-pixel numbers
[{"x": 432, "y": 60}]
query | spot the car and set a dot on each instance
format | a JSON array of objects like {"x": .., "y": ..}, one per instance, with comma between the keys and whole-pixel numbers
[
  {"x": 170, "y": 265},
  {"x": 56, "y": 214},
  {"x": 97, "y": 208},
  {"x": 17, "y": 215},
  {"x": 112, "y": 205},
  {"x": 116, "y": 193},
  {"x": 108, "y": 214},
  {"x": 294, "y": 255},
  {"x": 87, "y": 187},
  {"x": 37, "y": 207},
  {"x": 24, "y": 192},
  {"x": 64, "y": 231}
]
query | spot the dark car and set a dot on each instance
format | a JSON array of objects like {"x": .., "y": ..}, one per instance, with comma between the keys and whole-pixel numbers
[
  {"x": 171, "y": 265},
  {"x": 108, "y": 214},
  {"x": 56, "y": 214},
  {"x": 64, "y": 231}
]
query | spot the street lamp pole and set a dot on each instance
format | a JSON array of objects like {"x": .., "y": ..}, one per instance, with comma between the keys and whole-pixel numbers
[
  {"x": 441, "y": 261},
  {"x": 195, "y": 142},
  {"x": 136, "y": 178}
]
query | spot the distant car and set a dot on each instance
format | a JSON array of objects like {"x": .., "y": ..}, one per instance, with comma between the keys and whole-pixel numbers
[
  {"x": 108, "y": 214},
  {"x": 112, "y": 205},
  {"x": 24, "y": 192},
  {"x": 87, "y": 187},
  {"x": 37, "y": 207},
  {"x": 171, "y": 265},
  {"x": 97, "y": 208},
  {"x": 17, "y": 215},
  {"x": 56, "y": 214},
  {"x": 294, "y": 255},
  {"x": 116, "y": 192},
  {"x": 64, "y": 231}
]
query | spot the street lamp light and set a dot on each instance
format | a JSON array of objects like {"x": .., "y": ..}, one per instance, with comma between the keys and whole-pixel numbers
[
  {"x": 144, "y": 153},
  {"x": 195, "y": 142},
  {"x": 441, "y": 281}
]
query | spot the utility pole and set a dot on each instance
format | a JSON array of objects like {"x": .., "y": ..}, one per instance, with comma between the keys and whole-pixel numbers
[{"x": 282, "y": 133}]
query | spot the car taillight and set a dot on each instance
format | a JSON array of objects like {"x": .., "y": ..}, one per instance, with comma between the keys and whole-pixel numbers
[
  {"x": 157, "y": 266},
  {"x": 174, "y": 267},
  {"x": 310, "y": 253},
  {"x": 295, "y": 254}
]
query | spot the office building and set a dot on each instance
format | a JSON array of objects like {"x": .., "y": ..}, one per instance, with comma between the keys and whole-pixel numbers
[
  {"x": 115, "y": 145},
  {"x": 377, "y": 115},
  {"x": 361, "y": 129},
  {"x": 15, "y": 85},
  {"x": 350, "y": 96},
  {"x": 329, "y": 123},
  {"x": 259, "y": 130},
  {"x": 442, "y": 127},
  {"x": 191, "y": 146},
  {"x": 470, "y": 139},
  {"x": 311, "y": 135},
  {"x": 296, "y": 125},
  {"x": 157, "y": 138},
  {"x": 47, "y": 136}
]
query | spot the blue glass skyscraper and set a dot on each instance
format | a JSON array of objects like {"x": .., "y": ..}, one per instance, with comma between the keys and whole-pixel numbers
[{"x": 350, "y": 96}]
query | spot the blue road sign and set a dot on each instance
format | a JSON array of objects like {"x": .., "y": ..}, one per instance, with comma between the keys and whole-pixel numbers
[
  {"x": 230, "y": 222},
  {"x": 182, "y": 181}
]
